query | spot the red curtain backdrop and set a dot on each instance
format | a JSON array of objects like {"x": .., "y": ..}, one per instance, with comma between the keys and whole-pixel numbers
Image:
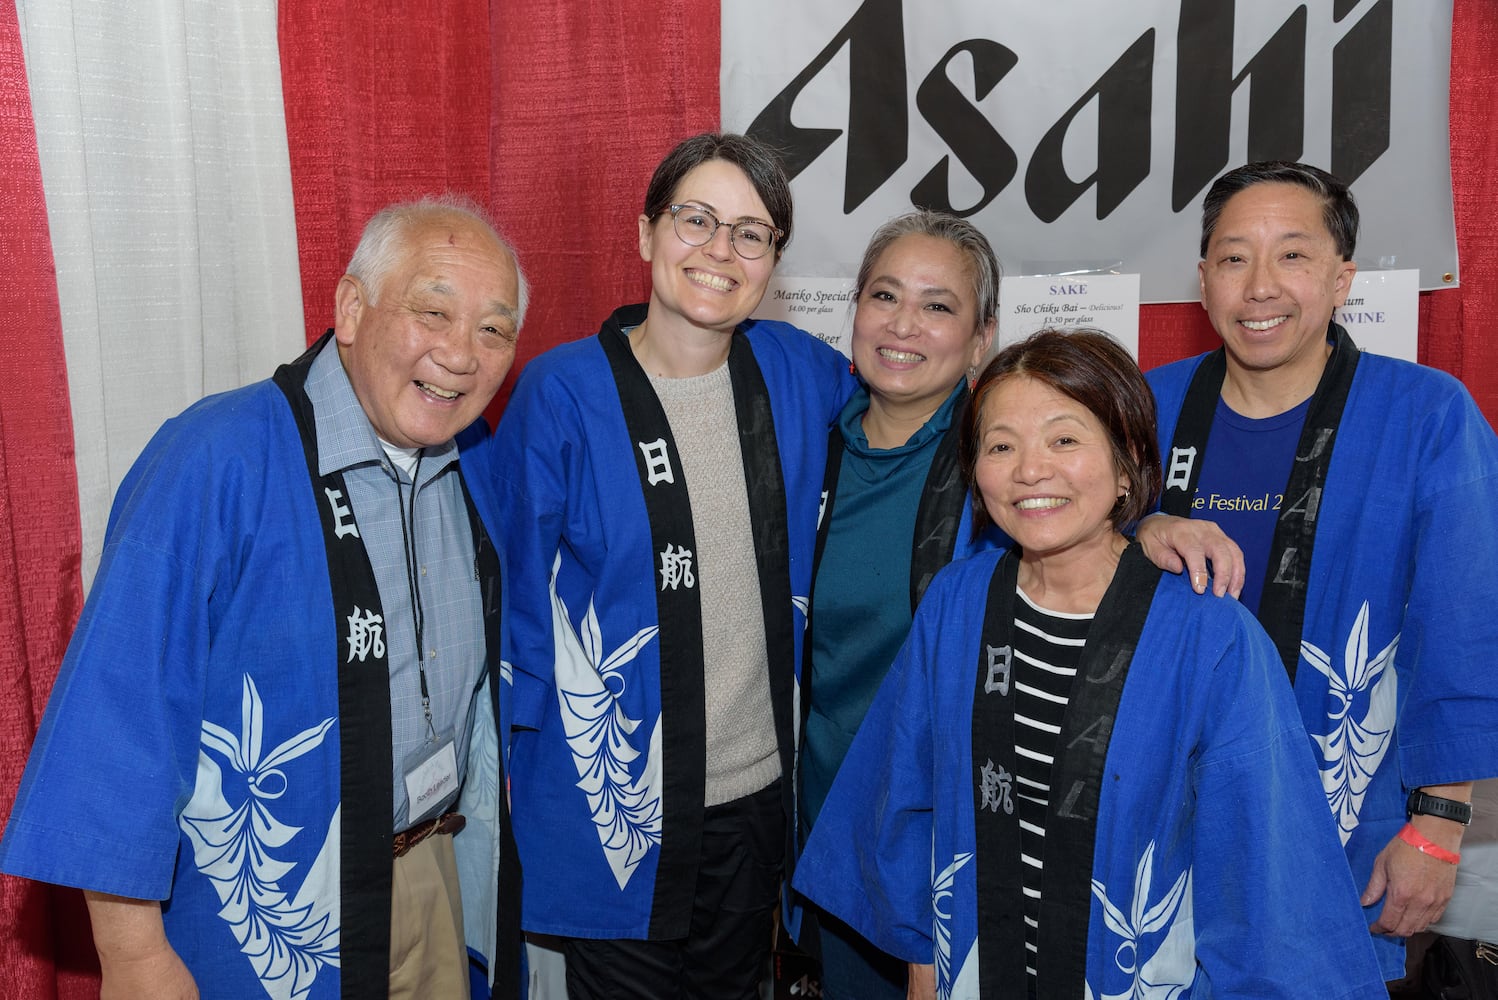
[
  {"x": 552, "y": 115},
  {"x": 379, "y": 107},
  {"x": 1456, "y": 327},
  {"x": 45, "y": 950}
]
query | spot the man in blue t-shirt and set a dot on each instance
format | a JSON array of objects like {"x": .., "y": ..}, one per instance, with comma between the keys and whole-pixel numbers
[
  {"x": 1364, "y": 493},
  {"x": 1242, "y": 485}
]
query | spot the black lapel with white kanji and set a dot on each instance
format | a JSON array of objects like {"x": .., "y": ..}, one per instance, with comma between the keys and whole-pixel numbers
[
  {"x": 364, "y": 739},
  {"x": 679, "y": 615},
  {"x": 1282, "y": 608},
  {"x": 678, "y": 602},
  {"x": 1076, "y": 784}
]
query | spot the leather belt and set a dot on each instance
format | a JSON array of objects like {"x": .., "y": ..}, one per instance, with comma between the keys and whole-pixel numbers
[{"x": 447, "y": 823}]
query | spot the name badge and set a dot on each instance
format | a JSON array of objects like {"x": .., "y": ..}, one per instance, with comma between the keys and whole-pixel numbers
[{"x": 431, "y": 779}]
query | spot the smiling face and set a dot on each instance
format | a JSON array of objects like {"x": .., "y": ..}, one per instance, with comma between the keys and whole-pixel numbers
[
  {"x": 1045, "y": 470},
  {"x": 916, "y": 329},
  {"x": 426, "y": 352},
  {"x": 1270, "y": 281},
  {"x": 708, "y": 287}
]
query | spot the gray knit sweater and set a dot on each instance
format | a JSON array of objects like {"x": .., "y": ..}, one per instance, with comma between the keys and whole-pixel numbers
[{"x": 742, "y": 756}]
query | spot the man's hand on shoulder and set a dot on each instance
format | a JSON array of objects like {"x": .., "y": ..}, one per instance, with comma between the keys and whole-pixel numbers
[{"x": 1199, "y": 547}]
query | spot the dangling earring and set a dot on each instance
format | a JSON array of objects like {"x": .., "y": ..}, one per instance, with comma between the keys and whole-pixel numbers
[
  {"x": 852, "y": 368},
  {"x": 972, "y": 377}
]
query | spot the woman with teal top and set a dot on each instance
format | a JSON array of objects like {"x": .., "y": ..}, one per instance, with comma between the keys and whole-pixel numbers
[
  {"x": 896, "y": 506},
  {"x": 896, "y": 510}
]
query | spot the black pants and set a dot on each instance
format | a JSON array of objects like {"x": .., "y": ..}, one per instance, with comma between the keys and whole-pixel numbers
[{"x": 725, "y": 954}]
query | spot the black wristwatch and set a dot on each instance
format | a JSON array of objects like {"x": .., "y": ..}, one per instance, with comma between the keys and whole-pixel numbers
[{"x": 1421, "y": 804}]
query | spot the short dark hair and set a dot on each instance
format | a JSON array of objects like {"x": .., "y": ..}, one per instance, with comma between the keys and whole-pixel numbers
[
  {"x": 758, "y": 162},
  {"x": 982, "y": 263},
  {"x": 1339, "y": 210},
  {"x": 1092, "y": 368}
]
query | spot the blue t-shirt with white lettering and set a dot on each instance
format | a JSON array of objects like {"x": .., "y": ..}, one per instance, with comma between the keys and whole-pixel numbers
[{"x": 1242, "y": 483}]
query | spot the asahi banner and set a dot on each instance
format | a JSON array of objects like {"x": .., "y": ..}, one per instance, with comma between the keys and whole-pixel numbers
[{"x": 1081, "y": 135}]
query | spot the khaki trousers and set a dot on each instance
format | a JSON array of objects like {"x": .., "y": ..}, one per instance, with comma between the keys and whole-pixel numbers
[{"x": 428, "y": 959}]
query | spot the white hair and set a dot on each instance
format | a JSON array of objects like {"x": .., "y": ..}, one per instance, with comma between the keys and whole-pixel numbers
[{"x": 385, "y": 236}]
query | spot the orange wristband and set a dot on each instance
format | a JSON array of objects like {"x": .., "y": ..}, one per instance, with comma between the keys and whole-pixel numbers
[{"x": 1419, "y": 842}]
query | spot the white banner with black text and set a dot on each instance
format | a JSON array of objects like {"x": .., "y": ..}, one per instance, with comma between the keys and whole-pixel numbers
[{"x": 1081, "y": 135}]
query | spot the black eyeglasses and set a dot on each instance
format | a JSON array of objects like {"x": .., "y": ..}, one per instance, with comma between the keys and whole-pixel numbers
[{"x": 696, "y": 226}]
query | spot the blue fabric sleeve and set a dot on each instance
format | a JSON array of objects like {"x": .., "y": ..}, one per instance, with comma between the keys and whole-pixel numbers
[
  {"x": 1269, "y": 868},
  {"x": 1448, "y": 719},
  {"x": 116, "y": 757}
]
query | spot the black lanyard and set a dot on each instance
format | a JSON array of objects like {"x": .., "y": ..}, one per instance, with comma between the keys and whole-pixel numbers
[{"x": 413, "y": 584}]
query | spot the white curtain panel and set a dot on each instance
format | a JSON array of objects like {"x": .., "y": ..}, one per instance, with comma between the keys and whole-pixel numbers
[{"x": 162, "y": 142}]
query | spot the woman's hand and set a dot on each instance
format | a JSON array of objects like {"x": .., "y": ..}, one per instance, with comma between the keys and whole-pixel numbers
[{"x": 1182, "y": 543}]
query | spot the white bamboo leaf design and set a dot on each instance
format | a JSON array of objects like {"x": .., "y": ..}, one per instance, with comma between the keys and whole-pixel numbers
[
  {"x": 307, "y": 739},
  {"x": 627, "y": 652},
  {"x": 625, "y": 809},
  {"x": 1356, "y": 655},
  {"x": 1112, "y": 916},
  {"x": 965, "y": 983},
  {"x": 220, "y": 739},
  {"x": 591, "y": 636},
  {"x": 249, "y": 735},
  {"x": 1353, "y": 748},
  {"x": 285, "y": 942},
  {"x": 941, "y": 895},
  {"x": 1142, "y": 887},
  {"x": 1159, "y": 915},
  {"x": 1162, "y": 967},
  {"x": 270, "y": 831},
  {"x": 1320, "y": 661}
]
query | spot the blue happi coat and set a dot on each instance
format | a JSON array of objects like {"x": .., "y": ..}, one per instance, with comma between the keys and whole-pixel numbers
[
  {"x": 1214, "y": 859},
  {"x": 607, "y": 781},
  {"x": 1388, "y": 625},
  {"x": 193, "y": 748}
]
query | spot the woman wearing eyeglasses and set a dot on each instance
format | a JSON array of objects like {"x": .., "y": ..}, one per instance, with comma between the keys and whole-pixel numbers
[{"x": 658, "y": 488}]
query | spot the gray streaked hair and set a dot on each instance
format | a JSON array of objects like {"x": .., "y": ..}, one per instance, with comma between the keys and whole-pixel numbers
[{"x": 962, "y": 234}]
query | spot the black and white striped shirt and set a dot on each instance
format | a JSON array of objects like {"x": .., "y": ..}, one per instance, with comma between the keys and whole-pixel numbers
[{"x": 1047, "y": 647}]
